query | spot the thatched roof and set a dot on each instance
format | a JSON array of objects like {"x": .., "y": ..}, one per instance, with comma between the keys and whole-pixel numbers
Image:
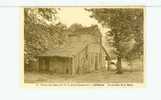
[
  {"x": 67, "y": 51},
  {"x": 107, "y": 55}
]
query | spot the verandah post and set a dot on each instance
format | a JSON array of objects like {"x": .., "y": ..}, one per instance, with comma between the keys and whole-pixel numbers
[{"x": 72, "y": 72}]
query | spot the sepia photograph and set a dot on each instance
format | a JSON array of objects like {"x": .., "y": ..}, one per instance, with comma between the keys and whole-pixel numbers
[
  {"x": 80, "y": 49},
  {"x": 83, "y": 46}
]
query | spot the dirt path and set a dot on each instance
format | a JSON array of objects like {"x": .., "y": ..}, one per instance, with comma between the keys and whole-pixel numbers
[{"x": 94, "y": 77}]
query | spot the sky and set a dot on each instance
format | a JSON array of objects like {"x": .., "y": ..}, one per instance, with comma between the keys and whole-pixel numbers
[{"x": 70, "y": 15}]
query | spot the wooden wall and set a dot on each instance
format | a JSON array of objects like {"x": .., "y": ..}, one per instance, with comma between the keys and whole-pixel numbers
[{"x": 90, "y": 59}]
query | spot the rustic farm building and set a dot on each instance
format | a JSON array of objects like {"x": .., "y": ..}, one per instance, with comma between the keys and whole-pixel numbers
[{"x": 82, "y": 53}]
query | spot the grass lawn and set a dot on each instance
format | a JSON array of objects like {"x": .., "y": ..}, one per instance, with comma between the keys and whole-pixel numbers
[{"x": 93, "y": 77}]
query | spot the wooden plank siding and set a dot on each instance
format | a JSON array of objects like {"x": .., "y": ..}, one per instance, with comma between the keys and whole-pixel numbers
[{"x": 87, "y": 61}]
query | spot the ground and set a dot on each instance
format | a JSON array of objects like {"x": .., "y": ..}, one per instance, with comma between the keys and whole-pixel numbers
[{"x": 93, "y": 77}]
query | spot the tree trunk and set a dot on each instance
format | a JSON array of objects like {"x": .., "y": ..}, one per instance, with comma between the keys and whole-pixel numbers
[
  {"x": 131, "y": 65},
  {"x": 119, "y": 66}
]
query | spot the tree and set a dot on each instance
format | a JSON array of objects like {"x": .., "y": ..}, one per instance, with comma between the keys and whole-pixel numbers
[
  {"x": 39, "y": 15},
  {"x": 41, "y": 32},
  {"x": 126, "y": 30}
]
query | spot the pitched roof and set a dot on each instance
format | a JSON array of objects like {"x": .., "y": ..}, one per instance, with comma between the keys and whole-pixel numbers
[
  {"x": 67, "y": 51},
  {"x": 107, "y": 55},
  {"x": 93, "y": 30}
]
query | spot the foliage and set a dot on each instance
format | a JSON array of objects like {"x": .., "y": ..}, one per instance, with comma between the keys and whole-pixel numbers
[
  {"x": 126, "y": 29},
  {"x": 39, "y": 34},
  {"x": 39, "y": 15}
]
